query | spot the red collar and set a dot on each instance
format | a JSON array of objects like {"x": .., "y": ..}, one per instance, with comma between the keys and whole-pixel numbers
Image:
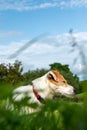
[{"x": 41, "y": 100}]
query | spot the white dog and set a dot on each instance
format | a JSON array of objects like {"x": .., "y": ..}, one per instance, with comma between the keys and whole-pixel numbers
[{"x": 44, "y": 87}]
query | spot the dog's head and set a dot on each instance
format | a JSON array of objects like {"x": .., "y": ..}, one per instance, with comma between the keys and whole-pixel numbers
[
  {"x": 58, "y": 83},
  {"x": 55, "y": 82}
]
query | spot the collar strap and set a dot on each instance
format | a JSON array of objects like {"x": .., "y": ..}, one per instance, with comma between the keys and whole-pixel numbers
[{"x": 41, "y": 100}]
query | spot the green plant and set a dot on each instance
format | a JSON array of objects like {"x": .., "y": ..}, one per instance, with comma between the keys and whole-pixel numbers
[
  {"x": 61, "y": 114},
  {"x": 11, "y": 72},
  {"x": 33, "y": 74}
]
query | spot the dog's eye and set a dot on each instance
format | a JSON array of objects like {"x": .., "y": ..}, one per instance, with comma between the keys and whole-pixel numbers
[{"x": 64, "y": 81}]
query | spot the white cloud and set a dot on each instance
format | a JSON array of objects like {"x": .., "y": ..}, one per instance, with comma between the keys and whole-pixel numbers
[
  {"x": 75, "y": 3},
  {"x": 33, "y": 4},
  {"x": 47, "y": 51},
  {"x": 9, "y": 34}
]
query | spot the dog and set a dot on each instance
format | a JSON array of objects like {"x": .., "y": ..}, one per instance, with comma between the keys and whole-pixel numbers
[{"x": 43, "y": 88}]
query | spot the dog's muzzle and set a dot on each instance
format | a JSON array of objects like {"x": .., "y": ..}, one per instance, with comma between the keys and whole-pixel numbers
[{"x": 67, "y": 91}]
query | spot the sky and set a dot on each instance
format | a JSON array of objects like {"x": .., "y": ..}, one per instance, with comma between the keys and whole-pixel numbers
[{"x": 36, "y": 32}]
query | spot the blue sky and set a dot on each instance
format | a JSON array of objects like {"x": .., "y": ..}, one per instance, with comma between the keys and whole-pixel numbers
[{"x": 22, "y": 20}]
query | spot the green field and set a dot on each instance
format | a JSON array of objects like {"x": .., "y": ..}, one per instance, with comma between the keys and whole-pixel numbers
[{"x": 60, "y": 113}]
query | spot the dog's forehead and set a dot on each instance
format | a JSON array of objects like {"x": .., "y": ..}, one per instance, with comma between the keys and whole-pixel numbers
[{"x": 57, "y": 74}]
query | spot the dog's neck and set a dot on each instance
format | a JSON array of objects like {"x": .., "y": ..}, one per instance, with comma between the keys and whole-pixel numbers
[
  {"x": 37, "y": 95},
  {"x": 41, "y": 87}
]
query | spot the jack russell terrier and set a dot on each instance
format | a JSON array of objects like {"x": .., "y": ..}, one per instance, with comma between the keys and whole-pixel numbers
[{"x": 44, "y": 87}]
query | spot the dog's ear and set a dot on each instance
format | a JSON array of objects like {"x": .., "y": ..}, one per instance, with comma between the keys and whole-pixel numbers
[{"x": 52, "y": 76}]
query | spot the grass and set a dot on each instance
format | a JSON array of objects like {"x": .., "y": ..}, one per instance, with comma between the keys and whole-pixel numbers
[{"x": 60, "y": 113}]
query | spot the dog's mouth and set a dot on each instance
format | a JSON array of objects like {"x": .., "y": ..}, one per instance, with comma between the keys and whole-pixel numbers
[{"x": 66, "y": 91}]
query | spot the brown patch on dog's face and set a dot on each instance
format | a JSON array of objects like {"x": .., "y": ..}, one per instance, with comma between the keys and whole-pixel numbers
[{"x": 56, "y": 78}]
